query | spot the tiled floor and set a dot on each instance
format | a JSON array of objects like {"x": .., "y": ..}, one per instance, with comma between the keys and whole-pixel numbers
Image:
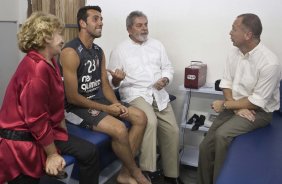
[{"x": 187, "y": 174}]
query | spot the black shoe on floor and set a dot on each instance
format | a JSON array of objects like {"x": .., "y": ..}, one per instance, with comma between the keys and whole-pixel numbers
[
  {"x": 199, "y": 122},
  {"x": 168, "y": 180},
  {"x": 155, "y": 177},
  {"x": 193, "y": 119}
]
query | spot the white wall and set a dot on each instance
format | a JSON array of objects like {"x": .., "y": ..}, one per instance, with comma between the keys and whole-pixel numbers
[
  {"x": 9, "y": 10},
  {"x": 191, "y": 30},
  {"x": 12, "y": 12}
]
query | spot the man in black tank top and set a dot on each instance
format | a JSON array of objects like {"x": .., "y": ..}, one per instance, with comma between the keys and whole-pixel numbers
[{"x": 90, "y": 100}]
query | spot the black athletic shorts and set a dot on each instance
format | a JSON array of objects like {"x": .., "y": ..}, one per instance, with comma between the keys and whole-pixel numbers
[{"x": 87, "y": 118}]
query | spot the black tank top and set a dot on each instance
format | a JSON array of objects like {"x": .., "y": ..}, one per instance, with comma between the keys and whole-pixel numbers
[{"x": 89, "y": 70}]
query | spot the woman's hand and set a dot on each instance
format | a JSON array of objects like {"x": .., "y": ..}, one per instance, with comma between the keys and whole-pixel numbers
[{"x": 55, "y": 163}]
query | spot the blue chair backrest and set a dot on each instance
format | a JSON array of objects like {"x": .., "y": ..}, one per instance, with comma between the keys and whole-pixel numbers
[{"x": 280, "y": 96}]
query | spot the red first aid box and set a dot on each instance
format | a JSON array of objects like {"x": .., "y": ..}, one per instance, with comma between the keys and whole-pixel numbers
[{"x": 195, "y": 75}]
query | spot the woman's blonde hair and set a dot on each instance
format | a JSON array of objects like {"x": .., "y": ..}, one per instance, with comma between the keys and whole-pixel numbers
[{"x": 38, "y": 27}]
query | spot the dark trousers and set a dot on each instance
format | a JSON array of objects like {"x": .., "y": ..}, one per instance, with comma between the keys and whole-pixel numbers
[
  {"x": 86, "y": 156},
  {"x": 23, "y": 179}
]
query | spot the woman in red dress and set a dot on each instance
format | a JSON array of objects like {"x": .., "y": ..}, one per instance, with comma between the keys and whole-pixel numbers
[{"x": 32, "y": 126}]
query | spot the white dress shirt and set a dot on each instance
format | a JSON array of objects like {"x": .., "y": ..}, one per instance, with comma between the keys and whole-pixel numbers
[
  {"x": 255, "y": 75},
  {"x": 144, "y": 65}
]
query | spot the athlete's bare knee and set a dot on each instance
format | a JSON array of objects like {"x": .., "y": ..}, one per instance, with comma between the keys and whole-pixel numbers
[
  {"x": 140, "y": 118},
  {"x": 121, "y": 134},
  {"x": 143, "y": 117}
]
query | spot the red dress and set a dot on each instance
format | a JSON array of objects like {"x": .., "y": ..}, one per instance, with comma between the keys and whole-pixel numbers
[{"x": 34, "y": 102}]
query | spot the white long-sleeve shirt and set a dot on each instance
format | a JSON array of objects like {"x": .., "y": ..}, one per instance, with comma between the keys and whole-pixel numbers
[
  {"x": 143, "y": 64},
  {"x": 255, "y": 75}
]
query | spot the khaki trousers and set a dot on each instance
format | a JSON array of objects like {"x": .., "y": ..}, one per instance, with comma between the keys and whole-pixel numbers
[
  {"x": 215, "y": 145},
  {"x": 163, "y": 129}
]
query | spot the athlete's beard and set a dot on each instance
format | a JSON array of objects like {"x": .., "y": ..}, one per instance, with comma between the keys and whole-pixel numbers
[{"x": 95, "y": 35}]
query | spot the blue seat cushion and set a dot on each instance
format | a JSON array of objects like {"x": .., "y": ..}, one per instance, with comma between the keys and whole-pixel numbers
[
  {"x": 68, "y": 159},
  {"x": 255, "y": 157},
  {"x": 101, "y": 140},
  {"x": 280, "y": 109}
]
